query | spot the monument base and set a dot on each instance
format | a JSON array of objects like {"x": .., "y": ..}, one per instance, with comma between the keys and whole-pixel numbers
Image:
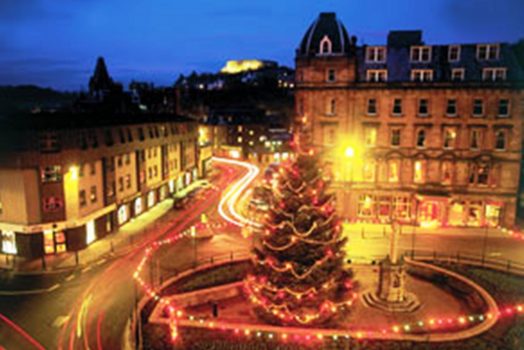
[{"x": 410, "y": 303}]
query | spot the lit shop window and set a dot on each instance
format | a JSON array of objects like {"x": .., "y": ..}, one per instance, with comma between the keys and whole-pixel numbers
[
  {"x": 419, "y": 171},
  {"x": 493, "y": 214},
  {"x": 366, "y": 206},
  {"x": 150, "y": 199},
  {"x": 90, "y": 232},
  {"x": 60, "y": 242},
  {"x": 49, "y": 242},
  {"x": 138, "y": 206},
  {"x": 456, "y": 214},
  {"x": 384, "y": 206},
  {"x": 123, "y": 214},
  {"x": 52, "y": 173},
  {"x": 474, "y": 213},
  {"x": 401, "y": 207},
  {"x": 9, "y": 242},
  {"x": 393, "y": 169}
]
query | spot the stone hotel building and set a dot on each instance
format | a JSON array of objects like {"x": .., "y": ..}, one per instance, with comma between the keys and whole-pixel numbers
[{"x": 425, "y": 133}]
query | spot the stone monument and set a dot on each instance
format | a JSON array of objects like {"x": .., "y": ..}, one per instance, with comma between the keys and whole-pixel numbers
[{"x": 391, "y": 294}]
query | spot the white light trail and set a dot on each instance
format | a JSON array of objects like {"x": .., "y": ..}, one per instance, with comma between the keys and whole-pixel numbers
[{"x": 229, "y": 199}]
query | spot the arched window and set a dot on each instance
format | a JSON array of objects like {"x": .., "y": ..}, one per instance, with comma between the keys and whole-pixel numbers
[
  {"x": 325, "y": 46},
  {"x": 500, "y": 140},
  {"x": 332, "y": 107},
  {"x": 421, "y": 138}
]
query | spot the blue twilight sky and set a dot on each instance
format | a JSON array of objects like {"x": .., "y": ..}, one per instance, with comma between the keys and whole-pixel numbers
[{"x": 55, "y": 42}]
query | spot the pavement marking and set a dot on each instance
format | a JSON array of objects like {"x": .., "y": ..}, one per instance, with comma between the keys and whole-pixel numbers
[
  {"x": 53, "y": 287},
  {"x": 29, "y": 292},
  {"x": 101, "y": 261},
  {"x": 60, "y": 321},
  {"x": 70, "y": 277},
  {"x": 85, "y": 269}
]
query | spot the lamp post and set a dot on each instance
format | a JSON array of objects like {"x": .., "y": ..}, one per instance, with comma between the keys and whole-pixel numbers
[
  {"x": 349, "y": 153},
  {"x": 193, "y": 236}
]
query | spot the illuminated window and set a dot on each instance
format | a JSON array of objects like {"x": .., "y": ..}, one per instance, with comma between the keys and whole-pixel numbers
[
  {"x": 372, "y": 106},
  {"x": 401, "y": 206},
  {"x": 454, "y": 53},
  {"x": 487, "y": 52},
  {"x": 397, "y": 107},
  {"x": 494, "y": 74},
  {"x": 500, "y": 140},
  {"x": 151, "y": 199},
  {"x": 423, "y": 107},
  {"x": 366, "y": 206},
  {"x": 325, "y": 46},
  {"x": 446, "y": 174},
  {"x": 239, "y": 139},
  {"x": 395, "y": 137},
  {"x": 377, "y": 75},
  {"x": 420, "y": 54},
  {"x": 393, "y": 170},
  {"x": 375, "y": 54},
  {"x": 240, "y": 128},
  {"x": 370, "y": 136},
  {"x": 138, "y": 206},
  {"x": 52, "y": 204},
  {"x": 49, "y": 241},
  {"x": 475, "y": 140},
  {"x": 60, "y": 242},
  {"x": 457, "y": 74},
  {"x": 92, "y": 194},
  {"x": 368, "y": 171},
  {"x": 384, "y": 206},
  {"x": 52, "y": 173},
  {"x": 479, "y": 174},
  {"x": 451, "y": 108},
  {"x": 450, "y": 136},
  {"x": 90, "y": 232},
  {"x": 8, "y": 242},
  {"x": 251, "y": 132},
  {"x": 478, "y": 108},
  {"x": 421, "y": 138},
  {"x": 503, "y": 110},
  {"x": 419, "y": 171},
  {"x": 421, "y": 75}
]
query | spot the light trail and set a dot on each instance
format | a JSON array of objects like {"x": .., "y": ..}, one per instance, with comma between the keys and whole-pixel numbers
[
  {"x": 21, "y": 332},
  {"x": 229, "y": 199}
]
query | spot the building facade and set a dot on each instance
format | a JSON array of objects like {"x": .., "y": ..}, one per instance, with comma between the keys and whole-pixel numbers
[
  {"x": 428, "y": 134},
  {"x": 65, "y": 184}
]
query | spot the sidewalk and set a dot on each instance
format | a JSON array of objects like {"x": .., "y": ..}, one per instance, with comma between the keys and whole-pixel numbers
[
  {"x": 368, "y": 230},
  {"x": 114, "y": 244}
]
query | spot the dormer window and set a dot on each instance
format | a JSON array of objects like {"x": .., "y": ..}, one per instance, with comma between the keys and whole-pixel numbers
[
  {"x": 488, "y": 52},
  {"x": 326, "y": 46},
  {"x": 420, "y": 54},
  {"x": 494, "y": 74},
  {"x": 422, "y": 75},
  {"x": 375, "y": 54},
  {"x": 454, "y": 53},
  {"x": 457, "y": 74},
  {"x": 377, "y": 75}
]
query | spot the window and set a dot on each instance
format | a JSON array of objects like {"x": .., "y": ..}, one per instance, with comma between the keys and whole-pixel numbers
[
  {"x": 457, "y": 74},
  {"x": 446, "y": 173},
  {"x": 500, "y": 140},
  {"x": 451, "y": 109},
  {"x": 454, "y": 53},
  {"x": 92, "y": 194},
  {"x": 421, "y": 138},
  {"x": 331, "y": 75},
  {"x": 401, "y": 207},
  {"x": 110, "y": 189},
  {"x": 377, "y": 75},
  {"x": 366, "y": 206},
  {"x": 370, "y": 136},
  {"x": 82, "y": 199},
  {"x": 128, "y": 181},
  {"x": 478, "y": 108},
  {"x": 450, "y": 136},
  {"x": 393, "y": 170},
  {"x": 372, "y": 106},
  {"x": 397, "y": 107},
  {"x": 325, "y": 46},
  {"x": 494, "y": 74},
  {"x": 487, "y": 52},
  {"x": 8, "y": 242},
  {"x": 375, "y": 54},
  {"x": 503, "y": 111},
  {"x": 52, "y": 173},
  {"x": 419, "y": 171},
  {"x": 423, "y": 110},
  {"x": 479, "y": 174},
  {"x": 52, "y": 204},
  {"x": 127, "y": 159},
  {"x": 141, "y": 135},
  {"x": 421, "y": 54},
  {"x": 422, "y": 75},
  {"x": 239, "y": 139},
  {"x": 92, "y": 139},
  {"x": 92, "y": 168},
  {"x": 395, "y": 137},
  {"x": 149, "y": 173},
  {"x": 368, "y": 171},
  {"x": 120, "y": 184},
  {"x": 332, "y": 107},
  {"x": 151, "y": 133},
  {"x": 475, "y": 140},
  {"x": 49, "y": 142},
  {"x": 155, "y": 171}
]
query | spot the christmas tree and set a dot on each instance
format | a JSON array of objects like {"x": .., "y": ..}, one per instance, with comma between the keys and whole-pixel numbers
[{"x": 298, "y": 276}]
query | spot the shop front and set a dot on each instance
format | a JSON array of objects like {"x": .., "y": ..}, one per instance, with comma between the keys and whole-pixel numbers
[{"x": 431, "y": 210}]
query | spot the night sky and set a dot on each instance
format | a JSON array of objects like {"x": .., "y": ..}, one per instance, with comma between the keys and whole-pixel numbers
[{"x": 55, "y": 42}]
